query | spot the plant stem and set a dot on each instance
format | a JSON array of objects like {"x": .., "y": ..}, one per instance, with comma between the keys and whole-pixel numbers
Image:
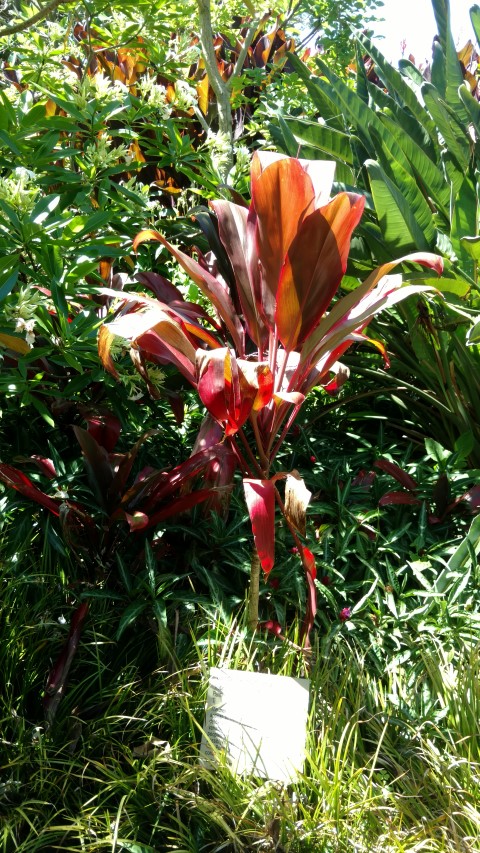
[{"x": 254, "y": 592}]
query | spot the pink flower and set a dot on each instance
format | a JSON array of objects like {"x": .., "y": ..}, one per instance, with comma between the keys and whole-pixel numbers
[
  {"x": 294, "y": 550},
  {"x": 313, "y": 459},
  {"x": 345, "y": 614}
]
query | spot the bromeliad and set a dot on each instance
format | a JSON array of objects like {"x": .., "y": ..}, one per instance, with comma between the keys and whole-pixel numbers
[{"x": 277, "y": 330}]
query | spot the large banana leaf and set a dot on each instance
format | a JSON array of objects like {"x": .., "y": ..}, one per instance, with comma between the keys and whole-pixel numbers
[
  {"x": 453, "y": 132},
  {"x": 398, "y": 87},
  {"x": 397, "y": 167},
  {"x": 452, "y": 72},
  {"x": 427, "y": 173},
  {"x": 398, "y": 224}
]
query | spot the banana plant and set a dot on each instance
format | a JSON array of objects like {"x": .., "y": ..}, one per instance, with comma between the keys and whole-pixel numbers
[
  {"x": 275, "y": 331},
  {"x": 413, "y": 146}
]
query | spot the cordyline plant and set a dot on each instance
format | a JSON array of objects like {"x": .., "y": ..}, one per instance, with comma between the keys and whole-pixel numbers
[{"x": 276, "y": 332}]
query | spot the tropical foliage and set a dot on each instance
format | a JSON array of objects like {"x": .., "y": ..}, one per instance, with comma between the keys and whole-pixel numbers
[
  {"x": 413, "y": 142},
  {"x": 199, "y": 336}
]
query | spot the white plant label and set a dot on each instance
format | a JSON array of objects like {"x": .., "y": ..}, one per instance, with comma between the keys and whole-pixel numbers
[{"x": 258, "y": 721}]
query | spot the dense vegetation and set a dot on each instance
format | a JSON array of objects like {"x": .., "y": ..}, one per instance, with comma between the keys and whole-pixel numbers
[{"x": 148, "y": 369}]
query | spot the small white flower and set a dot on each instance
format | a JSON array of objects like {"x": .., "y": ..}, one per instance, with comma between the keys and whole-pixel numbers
[
  {"x": 19, "y": 189},
  {"x": 185, "y": 95}
]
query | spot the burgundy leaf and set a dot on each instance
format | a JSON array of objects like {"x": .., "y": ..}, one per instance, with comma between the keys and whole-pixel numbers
[
  {"x": 17, "y": 480},
  {"x": 308, "y": 561},
  {"x": 398, "y": 498},
  {"x": 260, "y": 499},
  {"x": 58, "y": 675},
  {"x": 105, "y": 428},
  {"x": 397, "y": 473}
]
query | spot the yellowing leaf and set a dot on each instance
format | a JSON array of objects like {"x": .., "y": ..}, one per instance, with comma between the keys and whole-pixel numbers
[
  {"x": 15, "y": 344},
  {"x": 202, "y": 92}
]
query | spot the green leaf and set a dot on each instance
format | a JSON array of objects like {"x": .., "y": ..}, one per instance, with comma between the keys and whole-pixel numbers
[
  {"x": 362, "y": 80},
  {"x": 124, "y": 573},
  {"x": 398, "y": 86},
  {"x": 472, "y": 106},
  {"x": 130, "y": 614},
  {"x": 8, "y": 281},
  {"x": 335, "y": 90},
  {"x": 135, "y": 847},
  {"x": 455, "y": 135},
  {"x": 396, "y": 165},
  {"x": 439, "y": 72},
  {"x": 44, "y": 208},
  {"x": 326, "y": 139},
  {"x": 464, "y": 445},
  {"x": 426, "y": 170},
  {"x": 396, "y": 220},
  {"x": 475, "y": 19},
  {"x": 464, "y": 223}
]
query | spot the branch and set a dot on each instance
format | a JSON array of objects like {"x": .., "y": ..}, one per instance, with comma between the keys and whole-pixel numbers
[
  {"x": 221, "y": 90},
  {"x": 208, "y": 50},
  {"x": 243, "y": 52},
  {"x": 39, "y": 16}
]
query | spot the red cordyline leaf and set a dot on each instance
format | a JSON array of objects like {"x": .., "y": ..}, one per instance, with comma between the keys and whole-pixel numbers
[
  {"x": 391, "y": 498},
  {"x": 207, "y": 283},
  {"x": 308, "y": 561},
  {"x": 397, "y": 473},
  {"x": 105, "y": 428},
  {"x": 230, "y": 388},
  {"x": 232, "y": 226},
  {"x": 17, "y": 480},
  {"x": 46, "y": 466},
  {"x": 314, "y": 267},
  {"x": 58, "y": 675},
  {"x": 260, "y": 499},
  {"x": 151, "y": 489}
]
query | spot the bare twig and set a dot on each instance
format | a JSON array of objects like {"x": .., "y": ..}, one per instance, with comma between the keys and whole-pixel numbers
[{"x": 39, "y": 16}]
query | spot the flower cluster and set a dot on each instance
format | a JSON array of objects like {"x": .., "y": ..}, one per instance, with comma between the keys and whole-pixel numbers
[{"x": 19, "y": 190}]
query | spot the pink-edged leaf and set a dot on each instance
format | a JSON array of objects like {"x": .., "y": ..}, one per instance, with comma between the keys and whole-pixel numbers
[
  {"x": 219, "y": 473},
  {"x": 260, "y": 500},
  {"x": 282, "y": 196},
  {"x": 294, "y": 397},
  {"x": 17, "y": 480},
  {"x": 297, "y": 498},
  {"x": 232, "y": 226},
  {"x": 124, "y": 465},
  {"x": 393, "y": 498},
  {"x": 397, "y": 473},
  {"x": 364, "y": 479},
  {"x": 314, "y": 267},
  {"x": 157, "y": 349},
  {"x": 471, "y": 498},
  {"x": 208, "y": 284},
  {"x": 46, "y": 466},
  {"x": 353, "y": 312},
  {"x": 163, "y": 289}
]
